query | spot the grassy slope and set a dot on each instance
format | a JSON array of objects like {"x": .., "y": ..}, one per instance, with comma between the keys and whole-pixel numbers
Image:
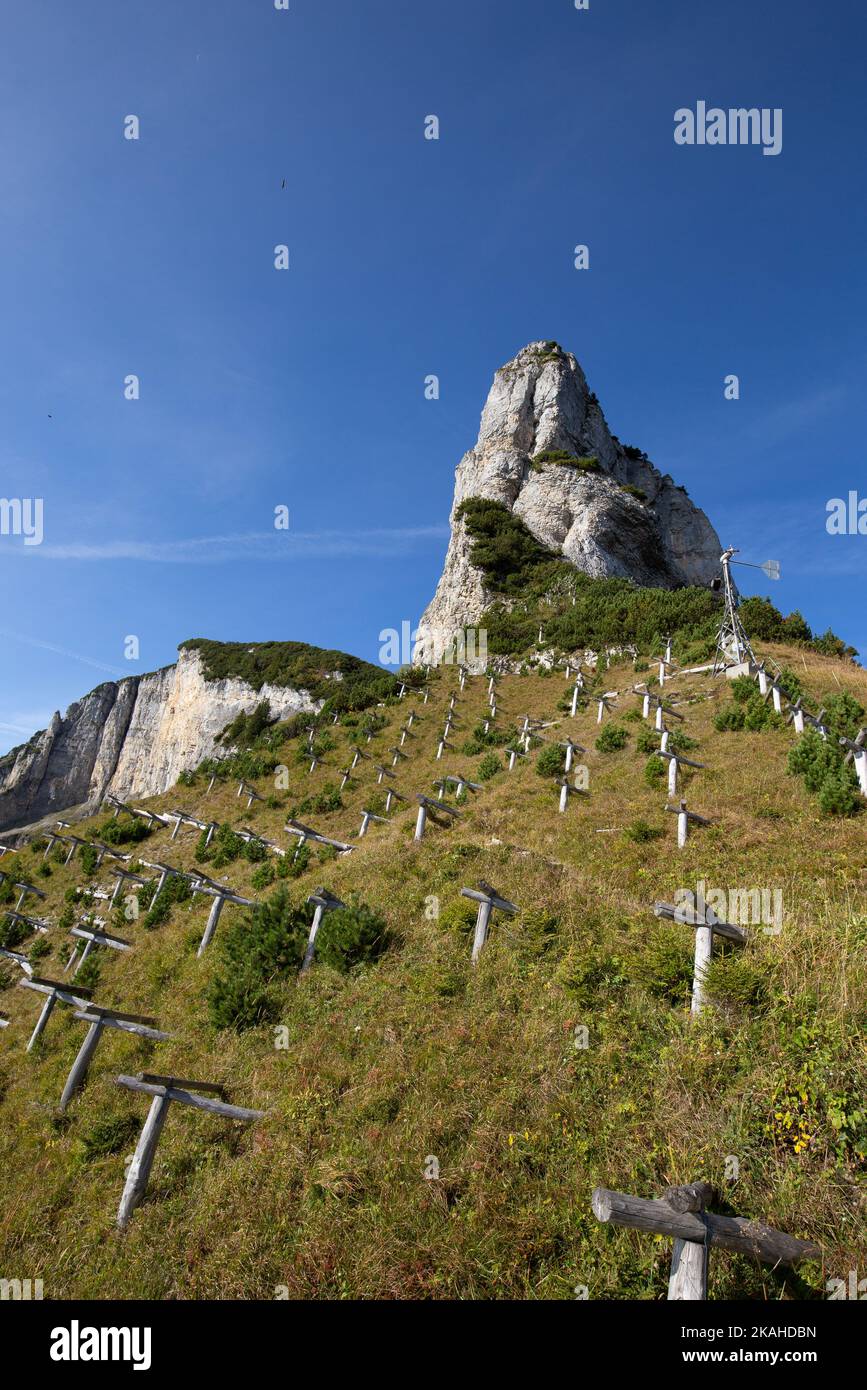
[{"x": 420, "y": 1055}]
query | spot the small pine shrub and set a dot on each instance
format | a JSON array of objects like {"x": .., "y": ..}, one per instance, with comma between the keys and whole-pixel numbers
[
  {"x": 489, "y": 767},
  {"x": 654, "y": 771},
  {"x": 254, "y": 954},
  {"x": 612, "y": 738},
  {"x": 551, "y": 761},
  {"x": 640, "y": 832},
  {"x": 350, "y": 937}
]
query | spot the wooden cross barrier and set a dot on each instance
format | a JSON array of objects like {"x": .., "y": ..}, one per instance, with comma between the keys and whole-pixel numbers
[
  {"x": 684, "y": 818},
  {"x": 571, "y": 750},
  {"x": 54, "y": 990},
  {"x": 345, "y": 776},
  {"x": 489, "y": 901},
  {"x": 567, "y": 790},
  {"x": 462, "y": 784},
  {"x": 402, "y": 689},
  {"x": 707, "y": 926},
  {"x": 221, "y": 896},
  {"x": 405, "y": 733},
  {"x": 165, "y": 871},
  {"x": 675, "y": 761},
  {"x": 75, "y": 842},
  {"x": 106, "y": 850},
  {"x": 250, "y": 792},
  {"x": 605, "y": 704},
  {"x": 392, "y": 794},
  {"x": 366, "y": 818},
  {"x": 777, "y": 692},
  {"x": 513, "y": 754},
  {"x": 661, "y": 710},
  {"x": 152, "y": 817},
  {"x": 381, "y": 772},
  {"x": 93, "y": 937},
  {"x": 99, "y": 1018},
  {"x": 323, "y": 902},
  {"x": 34, "y": 923},
  {"x": 796, "y": 715},
  {"x": 52, "y": 839},
  {"x": 305, "y": 833},
  {"x": 443, "y": 744},
  {"x": 124, "y": 876},
  {"x": 681, "y": 1214},
  {"x": 668, "y": 650},
  {"x": 579, "y": 686},
  {"x": 23, "y": 889},
  {"x": 397, "y": 753},
  {"x": 425, "y": 804},
  {"x": 19, "y": 959},
  {"x": 164, "y": 1090},
  {"x": 116, "y": 805},
  {"x": 357, "y": 755},
  {"x": 857, "y": 754},
  {"x": 253, "y": 837},
  {"x": 185, "y": 818},
  {"x": 7, "y": 849}
]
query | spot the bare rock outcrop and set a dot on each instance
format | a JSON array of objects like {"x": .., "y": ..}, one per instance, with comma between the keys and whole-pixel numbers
[{"x": 540, "y": 403}]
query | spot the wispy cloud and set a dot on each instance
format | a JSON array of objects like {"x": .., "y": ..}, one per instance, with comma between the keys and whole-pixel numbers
[
  {"x": 281, "y": 546},
  {"x": 62, "y": 651}
]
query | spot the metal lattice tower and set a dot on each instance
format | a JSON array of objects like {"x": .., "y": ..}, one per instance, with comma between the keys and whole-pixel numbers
[{"x": 733, "y": 644}]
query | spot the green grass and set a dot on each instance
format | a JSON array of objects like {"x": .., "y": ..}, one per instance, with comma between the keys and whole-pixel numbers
[{"x": 368, "y": 1069}]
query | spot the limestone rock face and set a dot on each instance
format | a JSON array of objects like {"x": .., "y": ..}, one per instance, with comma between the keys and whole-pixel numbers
[
  {"x": 540, "y": 401},
  {"x": 131, "y": 738}
]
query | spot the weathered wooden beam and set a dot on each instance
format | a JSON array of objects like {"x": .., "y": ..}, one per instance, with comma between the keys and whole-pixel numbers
[{"x": 736, "y": 1233}]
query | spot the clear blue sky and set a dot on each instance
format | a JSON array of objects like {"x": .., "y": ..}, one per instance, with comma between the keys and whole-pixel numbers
[{"x": 408, "y": 257}]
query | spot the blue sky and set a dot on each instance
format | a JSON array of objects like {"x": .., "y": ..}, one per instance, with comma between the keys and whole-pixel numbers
[{"x": 407, "y": 257}]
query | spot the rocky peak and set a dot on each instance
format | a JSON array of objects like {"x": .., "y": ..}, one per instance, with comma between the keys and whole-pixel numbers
[{"x": 545, "y": 451}]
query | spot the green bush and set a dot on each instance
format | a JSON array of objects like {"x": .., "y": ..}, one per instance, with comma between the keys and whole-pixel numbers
[
  {"x": 839, "y": 794},
  {"x": 262, "y": 876},
  {"x": 126, "y": 830},
  {"x": 612, "y": 738},
  {"x": 654, "y": 771},
  {"x": 351, "y": 936},
  {"x": 640, "y": 832},
  {"x": 490, "y": 765},
  {"x": 551, "y": 761},
  {"x": 174, "y": 890},
  {"x": 255, "y": 952}
]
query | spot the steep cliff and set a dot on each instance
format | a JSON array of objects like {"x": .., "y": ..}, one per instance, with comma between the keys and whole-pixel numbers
[
  {"x": 545, "y": 451},
  {"x": 134, "y": 737}
]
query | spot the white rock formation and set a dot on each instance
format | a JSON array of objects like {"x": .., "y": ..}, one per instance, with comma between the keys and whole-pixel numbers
[
  {"x": 131, "y": 738},
  {"x": 540, "y": 401}
]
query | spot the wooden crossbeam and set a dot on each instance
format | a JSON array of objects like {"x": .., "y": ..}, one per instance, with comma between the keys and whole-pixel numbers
[
  {"x": 19, "y": 959},
  {"x": 54, "y": 990},
  {"x": 305, "y": 832},
  {"x": 164, "y": 1091},
  {"x": 682, "y": 1216},
  {"x": 322, "y": 901},
  {"x": 707, "y": 925},
  {"x": 97, "y": 1019}
]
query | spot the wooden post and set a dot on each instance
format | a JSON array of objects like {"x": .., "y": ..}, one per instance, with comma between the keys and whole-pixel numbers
[
  {"x": 689, "y": 1259},
  {"x": 857, "y": 754},
  {"x": 489, "y": 900},
  {"x": 683, "y": 820},
  {"x": 221, "y": 896},
  {"x": 98, "y": 1019},
  {"x": 685, "y": 1219},
  {"x": 93, "y": 937},
  {"x": 426, "y": 803},
  {"x": 674, "y": 762},
  {"x": 706, "y": 925},
  {"x": 53, "y": 990},
  {"x": 20, "y": 960},
  {"x": 366, "y": 818},
  {"x": 323, "y": 902},
  {"x": 164, "y": 1090}
]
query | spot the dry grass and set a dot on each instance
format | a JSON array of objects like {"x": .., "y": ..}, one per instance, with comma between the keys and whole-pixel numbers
[{"x": 422, "y": 1056}]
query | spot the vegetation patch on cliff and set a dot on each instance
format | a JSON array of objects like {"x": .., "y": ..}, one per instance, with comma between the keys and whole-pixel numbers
[{"x": 344, "y": 682}]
